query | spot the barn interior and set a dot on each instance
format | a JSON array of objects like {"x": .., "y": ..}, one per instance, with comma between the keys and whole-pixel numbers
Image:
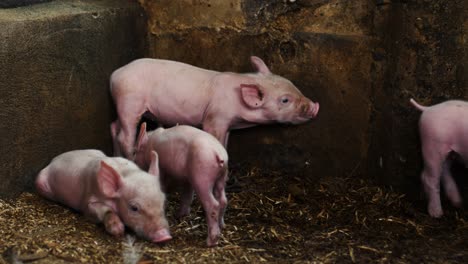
[{"x": 344, "y": 187}]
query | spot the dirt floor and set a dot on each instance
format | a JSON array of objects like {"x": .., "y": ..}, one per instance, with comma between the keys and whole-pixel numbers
[{"x": 272, "y": 217}]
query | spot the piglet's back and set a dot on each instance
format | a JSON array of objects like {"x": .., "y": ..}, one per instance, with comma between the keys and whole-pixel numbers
[
  {"x": 69, "y": 176},
  {"x": 449, "y": 116},
  {"x": 180, "y": 144}
]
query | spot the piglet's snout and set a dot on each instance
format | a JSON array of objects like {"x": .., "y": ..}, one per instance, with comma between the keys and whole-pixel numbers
[
  {"x": 161, "y": 235},
  {"x": 312, "y": 110}
]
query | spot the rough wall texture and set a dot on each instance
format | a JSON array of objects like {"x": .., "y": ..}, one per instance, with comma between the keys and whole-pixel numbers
[
  {"x": 55, "y": 62},
  {"x": 362, "y": 60},
  {"x": 324, "y": 47}
]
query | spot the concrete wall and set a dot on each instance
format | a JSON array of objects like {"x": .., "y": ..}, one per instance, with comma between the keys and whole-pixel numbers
[
  {"x": 55, "y": 62},
  {"x": 324, "y": 47},
  {"x": 362, "y": 60}
]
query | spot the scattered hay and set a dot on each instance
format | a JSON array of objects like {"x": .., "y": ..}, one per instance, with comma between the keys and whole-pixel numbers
[{"x": 275, "y": 217}]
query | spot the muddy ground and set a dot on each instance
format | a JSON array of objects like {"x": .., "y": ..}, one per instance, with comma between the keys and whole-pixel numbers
[{"x": 272, "y": 217}]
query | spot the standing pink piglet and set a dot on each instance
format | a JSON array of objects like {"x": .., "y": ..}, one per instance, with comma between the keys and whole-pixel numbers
[
  {"x": 444, "y": 130},
  {"x": 173, "y": 93},
  {"x": 195, "y": 161},
  {"x": 109, "y": 190}
]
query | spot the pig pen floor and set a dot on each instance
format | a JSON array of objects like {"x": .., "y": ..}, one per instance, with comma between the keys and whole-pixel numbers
[{"x": 272, "y": 217}]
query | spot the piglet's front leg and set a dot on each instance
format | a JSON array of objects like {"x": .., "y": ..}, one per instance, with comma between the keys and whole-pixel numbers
[
  {"x": 113, "y": 224},
  {"x": 106, "y": 215},
  {"x": 218, "y": 129}
]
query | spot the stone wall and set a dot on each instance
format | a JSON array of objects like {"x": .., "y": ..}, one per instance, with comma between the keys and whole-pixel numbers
[{"x": 55, "y": 62}]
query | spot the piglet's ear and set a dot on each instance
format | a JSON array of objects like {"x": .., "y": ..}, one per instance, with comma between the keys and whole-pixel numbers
[
  {"x": 260, "y": 65},
  {"x": 252, "y": 95},
  {"x": 109, "y": 180},
  {"x": 142, "y": 136},
  {"x": 154, "y": 165}
]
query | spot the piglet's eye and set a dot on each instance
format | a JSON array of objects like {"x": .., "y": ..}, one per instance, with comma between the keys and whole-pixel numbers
[
  {"x": 284, "y": 100},
  {"x": 134, "y": 207}
]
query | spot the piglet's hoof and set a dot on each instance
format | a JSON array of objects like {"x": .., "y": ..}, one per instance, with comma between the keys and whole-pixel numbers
[
  {"x": 211, "y": 243},
  {"x": 435, "y": 212},
  {"x": 212, "y": 240}
]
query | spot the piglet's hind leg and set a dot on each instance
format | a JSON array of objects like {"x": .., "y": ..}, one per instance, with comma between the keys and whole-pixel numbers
[
  {"x": 212, "y": 212},
  {"x": 186, "y": 198},
  {"x": 42, "y": 184},
  {"x": 450, "y": 187},
  {"x": 126, "y": 135},
  {"x": 220, "y": 195},
  {"x": 431, "y": 176},
  {"x": 115, "y": 130}
]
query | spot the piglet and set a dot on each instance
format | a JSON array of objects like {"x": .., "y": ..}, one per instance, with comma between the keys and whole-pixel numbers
[
  {"x": 173, "y": 93},
  {"x": 109, "y": 190},
  {"x": 195, "y": 161},
  {"x": 444, "y": 133}
]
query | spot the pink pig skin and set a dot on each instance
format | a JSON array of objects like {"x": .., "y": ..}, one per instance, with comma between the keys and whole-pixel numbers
[
  {"x": 195, "y": 161},
  {"x": 177, "y": 93},
  {"x": 443, "y": 130},
  {"x": 109, "y": 190}
]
